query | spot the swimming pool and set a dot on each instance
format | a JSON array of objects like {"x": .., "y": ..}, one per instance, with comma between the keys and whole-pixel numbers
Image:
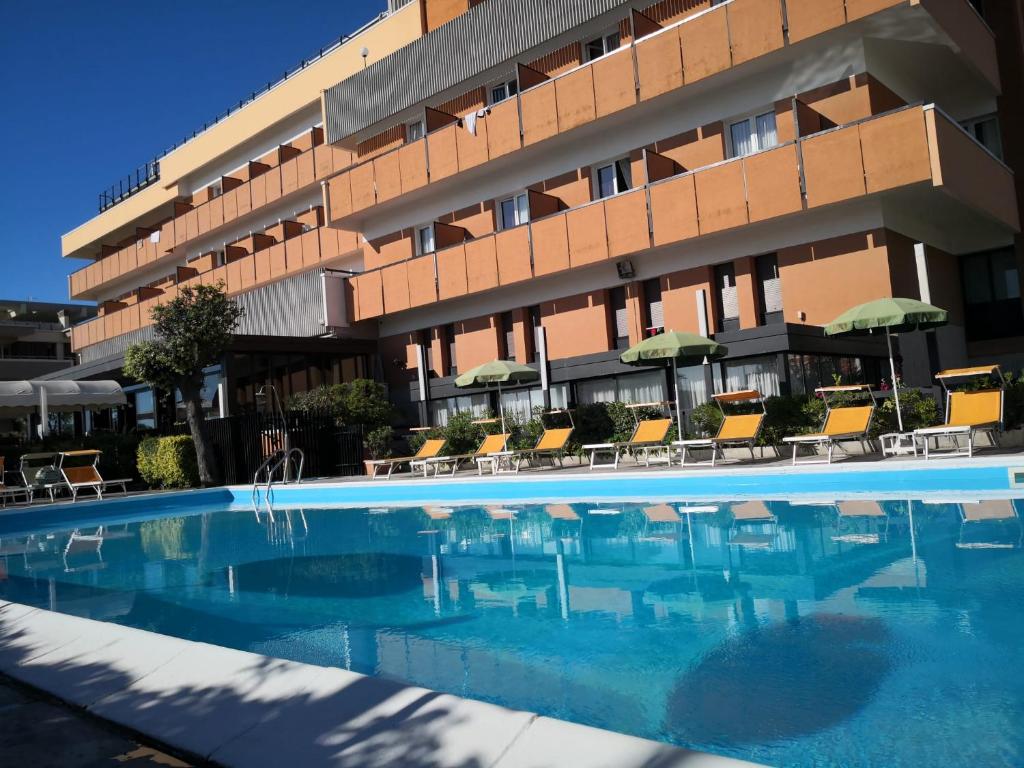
[{"x": 839, "y": 630}]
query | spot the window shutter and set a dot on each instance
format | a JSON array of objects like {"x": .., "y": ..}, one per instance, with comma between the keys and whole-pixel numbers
[
  {"x": 730, "y": 303},
  {"x": 657, "y": 314}
]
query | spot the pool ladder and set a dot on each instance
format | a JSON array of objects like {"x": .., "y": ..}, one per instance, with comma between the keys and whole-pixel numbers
[{"x": 280, "y": 460}]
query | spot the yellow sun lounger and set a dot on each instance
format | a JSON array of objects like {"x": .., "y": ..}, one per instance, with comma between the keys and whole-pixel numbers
[
  {"x": 842, "y": 422},
  {"x": 80, "y": 470},
  {"x": 737, "y": 429},
  {"x": 551, "y": 443},
  {"x": 491, "y": 444},
  {"x": 649, "y": 435},
  {"x": 428, "y": 450},
  {"x": 975, "y": 531},
  {"x": 967, "y": 413}
]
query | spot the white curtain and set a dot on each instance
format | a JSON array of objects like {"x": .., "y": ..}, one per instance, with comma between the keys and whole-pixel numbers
[
  {"x": 596, "y": 391},
  {"x": 760, "y": 373},
  {"x": 442, "y": 410},
  {"x": 742, "y": 143},
  {"x": 766, "y": 136},
  {"x": 646, "y": 387},
  {"x": 692, "y": 389}
]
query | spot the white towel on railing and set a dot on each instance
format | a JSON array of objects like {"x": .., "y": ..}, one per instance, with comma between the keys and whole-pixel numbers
[
  {"x": 154, "y": 237},
  {"x": 470, "y": 120}
]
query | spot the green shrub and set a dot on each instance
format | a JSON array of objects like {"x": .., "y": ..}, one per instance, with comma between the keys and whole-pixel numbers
[
  {"x": 461, "y": 434},
  {"x": 377, "y": 442},
  {"x": 360, "y": 402},
  {"x": 168, "y": 462},
  {"x": 1013, "y": 406},
  {"x": 706, "y": 418},
  {"x": 919, "y": 410}
]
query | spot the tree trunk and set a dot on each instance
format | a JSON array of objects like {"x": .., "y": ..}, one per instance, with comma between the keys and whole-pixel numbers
[{"x": 191, "y": 395}]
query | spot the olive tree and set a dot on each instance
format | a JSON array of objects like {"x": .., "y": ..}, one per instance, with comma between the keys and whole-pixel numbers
[{"x": 192, "y": 332}]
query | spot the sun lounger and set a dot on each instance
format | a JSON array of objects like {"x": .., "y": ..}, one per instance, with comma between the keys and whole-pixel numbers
[
  {"x": 861, "y": 511},
  {"x": 429, "y": 450},
  {"x": 983, "y": 525},
  {"x": 649, "y": 435},
  {"x": 39, "y": 473},
  {"x": 551, "y": 444},
  {"x": 842, "y": 423},
  {"x": 491, "y": 444},
  {"x": 737, "y": 429},
  {"x": 10, "y": 491},
  {"x": 967, "y": 413},
  {"x": 751, "y": 513},
  {"x": 562, "y": 512},
  {"x": 80, "y": 471}
]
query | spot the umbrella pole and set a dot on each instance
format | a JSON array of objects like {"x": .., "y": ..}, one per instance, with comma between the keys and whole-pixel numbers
[
  {"x": 501, "y": 409},
  {"x": 679, "y": 413},
  {"x": 895, "y": 385}
]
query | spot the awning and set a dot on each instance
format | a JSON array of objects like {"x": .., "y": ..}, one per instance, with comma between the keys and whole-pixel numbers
[{"x": 20, "y": 397}]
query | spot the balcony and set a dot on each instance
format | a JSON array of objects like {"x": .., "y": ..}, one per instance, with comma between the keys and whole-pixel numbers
[
  {"x": 308, "y": 163},
  {"x": 916, "y": 155},
  {"x": 667, "y": 59}
]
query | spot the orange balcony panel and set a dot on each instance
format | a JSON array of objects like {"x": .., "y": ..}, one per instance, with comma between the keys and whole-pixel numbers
[
  {"x": 705, "y": 42},
  {"x": 203, "y": 219},
  {"x": 626, "y": 223},
  {"x": 167, "y": 237},
  {"x": 130, "y": 321},
  {"x": 412, "y": 164},
  {"x": 278, "y": 261},
  {"x": 808, "y": 18},
  {"x": 310, "y": 248},
  {"x": 422, "y": 281},
  {"x": 216, "y": 214},
  {"x": 895, "y": 150},
  {"x": 513, "y": 251},
  {"x": 180, "y": 230},
  {"x": 721, "y": 198},
  {"x": 857, "y": 9},
  {"x": 443, "y": 153},
  {"x": 293, "y": 254},
  {"x": 586, "y": 230},
  {"x": 387, "y": 177},
  {"x": 388, "y": 250},
  {"x": 361, "y": 179},
  {"x": 235, "y": 275},
  {"x": 833, "y": 169},
  {"x": 216, "y": 277},
  {"x": 328, "y": 245},
  {"x": 273, "y": 181},
  {"x": 503, "y": 129},
  {"x": 540, "y": 115},
  {"x": 371, "y": 295},
  {"x": 755, "y": 28},
  {"x": 773, "y": 183},
  {"x": 481, "y": 264},
  {"x": 472, "y": 150},
  {"x": 339, "y": 193},
  {"x": 129, "y": 259},
  {"x": 395, "y": 281},
  {"x": 550, "y": 245},
  {"x": 614, "y": 82},
  {"x": 451, "y": 272},
  {"x": 969, "y": 33},
  {"x": 674, "y": 210},
  {"x": 575, "y": 99},
  {"x": 109, "y": 268},
  {"x": 289, "y": 176},
  {"x": 305, "y": 168},
  {"x": 230, "y": 205},
  {"x": 261, "y": 264},
  {"x": 192, "y": 224},
  {"x": 258, "y": 191},
  {"x": 243, "y": 199},
  {"x": 659, "y": 62}
]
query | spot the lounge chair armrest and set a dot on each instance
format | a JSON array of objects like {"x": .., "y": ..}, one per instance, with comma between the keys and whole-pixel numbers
[
  {"x": 708, "y": 441},
  {"x": 590, "y": 446}
]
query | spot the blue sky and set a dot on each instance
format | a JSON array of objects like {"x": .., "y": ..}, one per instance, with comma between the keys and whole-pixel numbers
[{"x": 91, "y": 90}]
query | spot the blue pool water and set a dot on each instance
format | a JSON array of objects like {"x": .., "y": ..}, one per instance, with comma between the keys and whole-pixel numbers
[{"x": 851, "y": 634}]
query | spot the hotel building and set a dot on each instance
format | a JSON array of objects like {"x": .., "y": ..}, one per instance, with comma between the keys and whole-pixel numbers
[{"x": 551, "y": 181}]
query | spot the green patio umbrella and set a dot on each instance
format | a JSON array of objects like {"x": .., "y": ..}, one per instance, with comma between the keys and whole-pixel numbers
[
  {"x": 891, "y": 316},
  {"x": 497, "y": 372},
  {"x": 686, "y": 348}
]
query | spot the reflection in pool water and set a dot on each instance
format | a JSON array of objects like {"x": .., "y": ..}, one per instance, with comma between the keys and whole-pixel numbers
[{"x": 838, "y": 632}]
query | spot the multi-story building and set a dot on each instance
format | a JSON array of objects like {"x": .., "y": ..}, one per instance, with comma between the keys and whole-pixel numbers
[
  {"x": 34, "y": 337},
  {"x": 551, "y": 181}
]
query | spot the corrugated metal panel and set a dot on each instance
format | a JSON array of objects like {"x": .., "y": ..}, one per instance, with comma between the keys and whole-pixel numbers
[
  {"x": 490, "y": 34},
  {"x": 292, "y": 307}
]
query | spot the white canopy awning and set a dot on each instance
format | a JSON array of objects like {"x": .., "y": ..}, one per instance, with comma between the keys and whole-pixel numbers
[{"x": 21, "y": 397}]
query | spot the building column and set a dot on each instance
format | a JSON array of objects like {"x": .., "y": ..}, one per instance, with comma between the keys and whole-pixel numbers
[
  {"x": 635, "y": 311},
  {"x": 746, "y": 291}
]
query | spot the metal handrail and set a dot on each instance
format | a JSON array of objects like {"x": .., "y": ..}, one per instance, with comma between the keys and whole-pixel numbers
[{"x": 283, "y": 460}]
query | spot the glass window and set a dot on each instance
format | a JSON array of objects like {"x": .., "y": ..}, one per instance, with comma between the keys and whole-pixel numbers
[
  {"x": 760, "y": 373},
  {"x": 514, "y": 211},
  {"x": 449, "y": 335},
  {"x": 770, "y": 294},
  {"x": 654, "y": 315},
  {"x": 425, "y": 239},
  {"x": 505, "y": 90},
  {"x": 508, "y": 329},
  {"x": 753, "y": 134},
  {"x": 442, "y": 410},
  {"x": 620, "y": 317},
  {"x": 415, "y": 130},
  {"x": 986, "y": 131},
  {"x": 992, "y": 297},
  {"x": 613, "y": 178},
  {"x": 645, "y": 387},
  {"x": 599, "y": 46},
  {"x": 728, "y": 299},
  {"x": 145, "y": 409}
]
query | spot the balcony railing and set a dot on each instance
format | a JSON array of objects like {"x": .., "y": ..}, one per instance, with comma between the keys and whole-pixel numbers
[
  {"x": 134, "y": 182},
  {"x": 907, "y": 147}
]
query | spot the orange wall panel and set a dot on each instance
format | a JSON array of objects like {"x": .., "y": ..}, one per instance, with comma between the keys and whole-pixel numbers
[
  {"x": 339, "y": 194},
  {"x": 679, "y": 298},
  {"x": 626, "y": 223},
  {"x": 503, "y": 128},
  {"x": 755, "y": 28},
  {"x": 361, "y": 180},
  {"x": 721, "y": 199},
  {"x": 476, "y": 342},
  {"x": 588, "y": 242},
  {"x": 574, "y": 95},
  {"x": 705, "y": 42},
  {"x": 310, "y": 248},
  {"x": 422, "y": 281},
  {"x": 773, "y": 183},
  {"x": 261, "y": 263},
  {"x": 472, "y": 150},
  {"x": 395, "y": 281},
  {"x": 659, "y": 63},
  {"x": 540, "y": 113},
  {"x": 293, "y": 254},
  {"x": 203, "y": 219},
  {"x": 451, "y": 272},
  {"x": 576, "y": 325},
  {"x": 387, "y": 176},
  {"x": 273, "y": 182},
  {"x": 230, "y": 205},
  {"x": 674, "y": 210},
  {"x": 388, "y": 250},
  {"x": 856, "y": 9},
  {"x": 550, "y": 245},
  {"x": 371, "y": 295},
  {"x": 305, "y": 168},
  {"x": 481, "y": 265},
  {"x": 443, "y": 153},
  {"x": 513, "y": 251},
  {"x": 278, "y": 262},
  {"x": 289, "y": 176},
  {"x": 833, "y": 169},
  {"x": 412, "y": 163},
  {"x": 811, "y": 17},
  {"x": 614, "y": 82},
  {"x": 243, "y": 200},
  {"x": 895, "y": 150}
]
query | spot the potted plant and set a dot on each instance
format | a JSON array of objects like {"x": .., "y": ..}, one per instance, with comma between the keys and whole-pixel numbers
[{"x": 377, "y": 445}]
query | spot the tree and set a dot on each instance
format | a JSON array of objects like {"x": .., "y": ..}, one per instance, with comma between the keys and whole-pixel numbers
[{"x": 192, "y": 332}]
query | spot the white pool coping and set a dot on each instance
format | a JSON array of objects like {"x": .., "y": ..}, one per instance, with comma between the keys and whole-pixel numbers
[{"x": 242, "y": 709}]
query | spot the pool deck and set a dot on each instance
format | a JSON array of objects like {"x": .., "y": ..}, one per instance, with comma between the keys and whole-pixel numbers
[{"x": 234, "y": 708}]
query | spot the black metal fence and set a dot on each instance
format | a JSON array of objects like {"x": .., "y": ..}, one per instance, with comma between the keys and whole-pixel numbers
[{"x": 242, "y": 443}]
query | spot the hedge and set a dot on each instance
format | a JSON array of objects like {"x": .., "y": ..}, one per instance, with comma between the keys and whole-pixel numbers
[{"x": 168, "y": 462}]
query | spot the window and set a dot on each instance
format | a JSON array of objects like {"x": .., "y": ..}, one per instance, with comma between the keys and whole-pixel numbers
[
  {"x": 654, "y": 315},
  {"x": 612, "y": 178},
  {"x": 513, "y": 211},
  {"x": 145, "y": 409},
  {"x": 646, "y": 387},
  {"x": 991, "y": 285},
  {"x": 216, "y": 190},
  {"x": 760, "y": 373},
  {"x": 770, "y": 293},
  {"x": 534, "y": 313},
  {"x": 425, "y": 239},
  {"x": 753, "y": 134},
  {"x": 620, "y": 317},
  {"x": 414, "y": 130},
  {"x": 728, "y": 301},
  {"x": 986, "y": 131},
  {"x": 508, "y": 329},
  {"x": 449, "y": 337},
  {"x": 504, "y": 90},
  {"x": 599, "y": 46}
]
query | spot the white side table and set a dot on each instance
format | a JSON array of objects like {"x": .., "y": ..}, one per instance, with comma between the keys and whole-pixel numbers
[
  {"x": 899, "y": 444},
  {"x": 499, "y": 462}
]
